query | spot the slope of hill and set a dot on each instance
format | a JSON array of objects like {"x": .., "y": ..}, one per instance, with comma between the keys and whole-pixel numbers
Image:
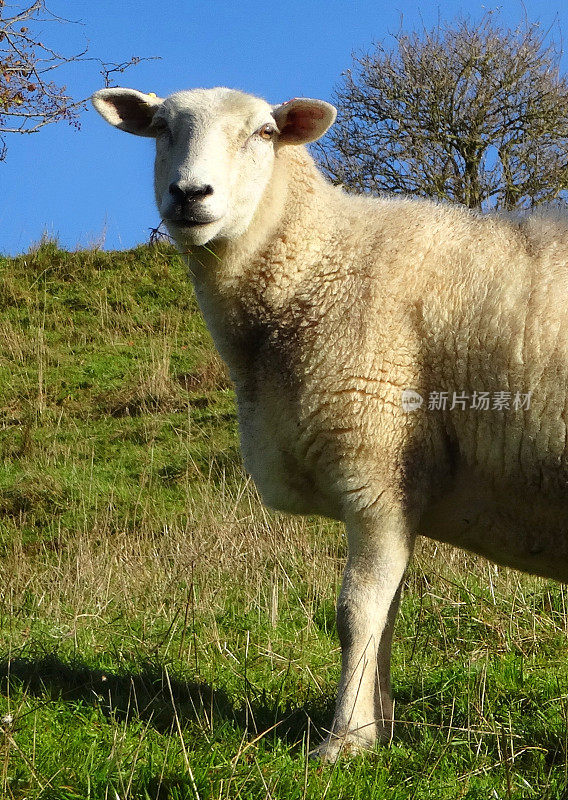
[{"x": 163, "y": 636}]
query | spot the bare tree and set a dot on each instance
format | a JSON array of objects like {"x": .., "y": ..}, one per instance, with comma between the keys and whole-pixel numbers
[
  {"x": 470, "y": 113},
  {"x": 29, "y": 98}
]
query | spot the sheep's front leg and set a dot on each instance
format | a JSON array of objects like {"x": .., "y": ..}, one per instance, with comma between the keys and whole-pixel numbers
[{"x": 378, "y": 555}]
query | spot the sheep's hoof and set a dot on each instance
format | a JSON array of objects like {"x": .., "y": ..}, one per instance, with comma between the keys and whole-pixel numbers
[{"x": 344, "y": 745}]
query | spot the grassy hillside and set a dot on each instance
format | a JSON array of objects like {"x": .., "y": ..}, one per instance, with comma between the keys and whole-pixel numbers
[{"x": 162, "y": 635}]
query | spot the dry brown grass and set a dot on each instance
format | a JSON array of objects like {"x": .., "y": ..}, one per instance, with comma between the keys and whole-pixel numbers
[
  {"x": 232, "y": 550},
  {"x": 229, "y": 540}
]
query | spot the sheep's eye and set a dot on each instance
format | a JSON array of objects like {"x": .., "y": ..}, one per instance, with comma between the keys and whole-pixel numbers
[
  {"x": 160, "y": 126},
  {"x": 266, "y": 132}
]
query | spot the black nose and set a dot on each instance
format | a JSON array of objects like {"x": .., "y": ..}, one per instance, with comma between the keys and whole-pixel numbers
[{"x": 189, "y": 194}]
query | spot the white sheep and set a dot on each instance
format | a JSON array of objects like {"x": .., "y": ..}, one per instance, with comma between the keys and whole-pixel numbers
[{"x": 399, "y": 364}]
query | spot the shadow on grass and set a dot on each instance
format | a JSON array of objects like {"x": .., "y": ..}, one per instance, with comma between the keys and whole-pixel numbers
[
  {"x": 162, "y": 699},
  {"x": 166, "y": 701},
  {"x": 513, "y": 729}
]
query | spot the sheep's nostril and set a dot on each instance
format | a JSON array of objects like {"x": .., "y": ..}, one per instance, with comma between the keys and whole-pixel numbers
[
  {"x": 177, "y": 192},
  {"x": 183, "y": 194},
  {"x": 198, "y": 192}
]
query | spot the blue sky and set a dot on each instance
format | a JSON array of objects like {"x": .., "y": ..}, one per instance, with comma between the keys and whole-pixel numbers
[{"x": 94, "y": 186}]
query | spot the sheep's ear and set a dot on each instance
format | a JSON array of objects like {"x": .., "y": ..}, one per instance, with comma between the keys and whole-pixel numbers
[
  {"x": 127, "y": 109},
  {"x": 303, "y": 120}
]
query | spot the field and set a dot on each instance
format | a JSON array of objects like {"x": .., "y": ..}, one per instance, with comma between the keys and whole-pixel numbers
[{"x": 162, "y": 635}]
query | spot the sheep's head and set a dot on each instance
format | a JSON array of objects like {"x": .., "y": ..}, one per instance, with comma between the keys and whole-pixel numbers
[{"x": 215, "y": 150}]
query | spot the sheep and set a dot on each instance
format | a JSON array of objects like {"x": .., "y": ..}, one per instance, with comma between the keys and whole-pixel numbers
[{"x": 400, "y": 365}]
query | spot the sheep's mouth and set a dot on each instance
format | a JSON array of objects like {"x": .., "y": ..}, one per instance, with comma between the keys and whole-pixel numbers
[{"x": 192, "y": 222}]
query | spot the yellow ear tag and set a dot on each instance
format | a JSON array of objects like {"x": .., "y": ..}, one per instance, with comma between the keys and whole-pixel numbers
[{"x": 151, "y": 94}]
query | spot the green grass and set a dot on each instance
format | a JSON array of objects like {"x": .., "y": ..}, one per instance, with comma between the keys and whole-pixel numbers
[{"x": 162, "y": 635}]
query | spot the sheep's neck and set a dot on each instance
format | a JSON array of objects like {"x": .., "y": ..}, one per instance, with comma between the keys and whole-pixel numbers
[{"x": 247, "y": 284}]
